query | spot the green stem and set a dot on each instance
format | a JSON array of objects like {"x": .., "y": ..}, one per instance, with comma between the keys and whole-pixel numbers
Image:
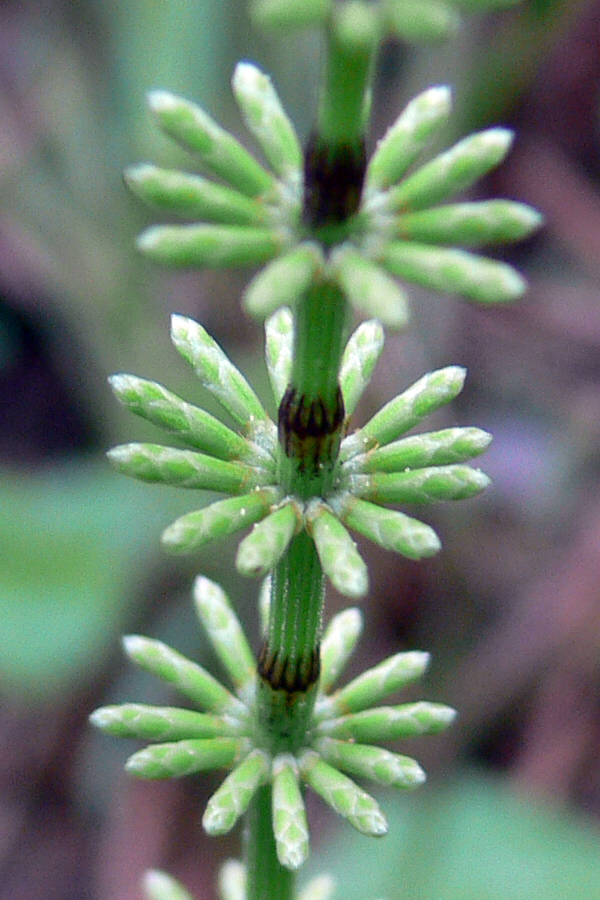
[
  {"x": 319, "y": 342},
  {"x": 311, "y": 418},
  {"x": 266, "y": 877},
  {"x": 335, "y": 158},
  {"x": 311, "y": 413},
  {"x": 350, "y": 51},
  {"x": 295, "y": 624}
]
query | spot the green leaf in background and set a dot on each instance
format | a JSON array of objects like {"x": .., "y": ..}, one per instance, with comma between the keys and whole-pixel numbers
[
  {"x": 73, "y": 541},
  {"x": 179, "y": 46},
  {"x": 475, "y": 840}
]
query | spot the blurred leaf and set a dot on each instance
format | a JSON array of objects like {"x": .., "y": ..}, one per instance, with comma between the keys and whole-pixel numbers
[
  {"x": 181, "y": 47},
  {"x": 475, "y": 840},
  {"x": 73, "y": 540},
  {"x": 71, "y": 122},
  {"x": 502, "y": 72}
]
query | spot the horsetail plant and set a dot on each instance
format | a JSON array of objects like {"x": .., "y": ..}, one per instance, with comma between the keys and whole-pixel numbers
[{"x": 331, "y": 231}]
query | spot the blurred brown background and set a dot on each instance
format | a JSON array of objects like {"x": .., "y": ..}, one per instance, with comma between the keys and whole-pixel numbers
[{"x": 511, "y": 609}]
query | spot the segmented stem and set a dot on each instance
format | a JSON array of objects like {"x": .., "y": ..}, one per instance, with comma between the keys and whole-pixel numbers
[{"x": 310, "y": 422}]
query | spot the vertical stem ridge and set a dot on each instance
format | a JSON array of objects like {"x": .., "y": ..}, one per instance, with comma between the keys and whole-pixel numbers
[
  {"x": 319, "y": 343},
  {"x": 310, "y": 424},
  {"x": 311, "y": 418},
  {"x": 348, "y": 63},
  {"x": 266, "y": 878},
  {"x": 311, "y": 414},
  {"x": 289, "y": 660}
]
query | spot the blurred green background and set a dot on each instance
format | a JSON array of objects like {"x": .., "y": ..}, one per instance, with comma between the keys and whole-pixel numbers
[{"x": 511, "y": 610}]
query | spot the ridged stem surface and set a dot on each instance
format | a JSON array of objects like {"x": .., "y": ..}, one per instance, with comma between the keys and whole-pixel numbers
[
  {"x": 267, "y": 879},
  {"x": 310, "y": 424}
]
